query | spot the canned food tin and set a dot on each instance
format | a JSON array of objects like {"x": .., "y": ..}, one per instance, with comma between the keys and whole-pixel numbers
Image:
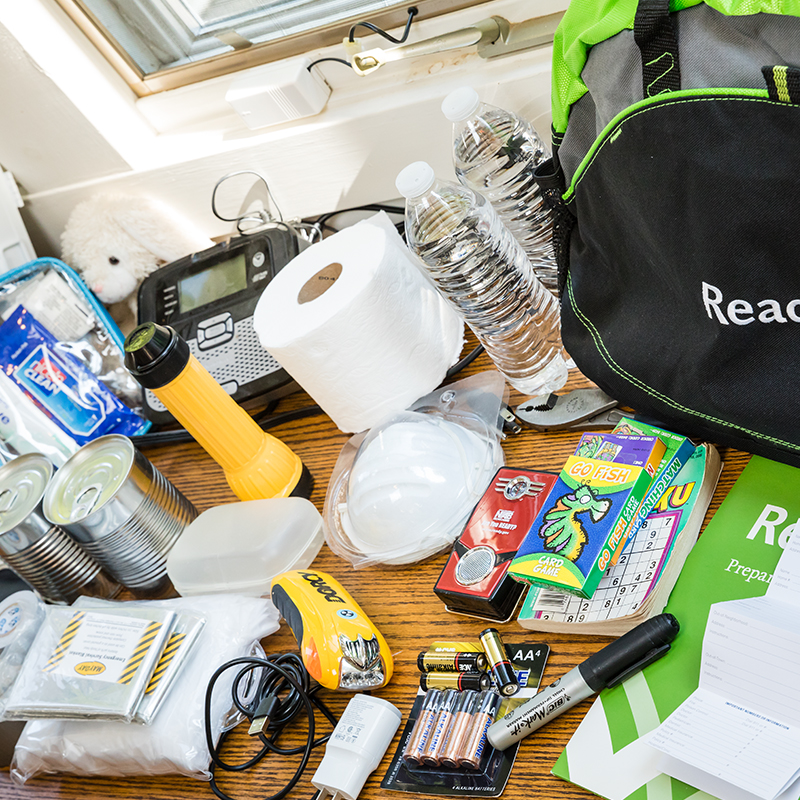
[
  {"x": 45, "y": 555},
  {"x": 122, "y": 510}
]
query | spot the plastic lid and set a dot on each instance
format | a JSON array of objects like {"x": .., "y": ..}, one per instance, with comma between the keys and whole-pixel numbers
[
  {"x": 415, "y": 179},
  {"x": 460, "y": 104},
  {"x": 241, "y": 547}
]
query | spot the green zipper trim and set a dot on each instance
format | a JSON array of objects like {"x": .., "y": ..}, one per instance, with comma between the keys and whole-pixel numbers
[
  {"x": 668, "y": 401},
  {"x": 590, "y": 22},
  {"x": 613, "y": 129}
]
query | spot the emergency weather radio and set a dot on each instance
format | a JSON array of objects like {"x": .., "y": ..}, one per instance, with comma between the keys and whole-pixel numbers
[{"x": 209, "y": 298}]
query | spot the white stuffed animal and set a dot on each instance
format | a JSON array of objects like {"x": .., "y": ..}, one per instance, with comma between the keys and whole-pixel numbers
[{"x": 116, "y": 241}]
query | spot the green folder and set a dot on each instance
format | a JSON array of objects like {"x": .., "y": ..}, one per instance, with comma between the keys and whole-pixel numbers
[{"x": 734, "y": 558}]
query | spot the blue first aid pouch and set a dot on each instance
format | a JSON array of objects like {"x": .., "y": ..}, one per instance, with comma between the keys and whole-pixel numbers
[{"x": 69, "y": 394}]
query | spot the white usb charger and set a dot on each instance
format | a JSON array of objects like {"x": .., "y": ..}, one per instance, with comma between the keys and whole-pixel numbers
[{"x": 356, "y": 747}]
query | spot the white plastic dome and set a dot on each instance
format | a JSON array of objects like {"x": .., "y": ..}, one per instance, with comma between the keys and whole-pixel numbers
[{"x": 412, "y": 485}]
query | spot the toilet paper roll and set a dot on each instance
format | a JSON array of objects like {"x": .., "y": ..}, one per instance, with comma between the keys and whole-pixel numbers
[{"x": 358, "y": 325}]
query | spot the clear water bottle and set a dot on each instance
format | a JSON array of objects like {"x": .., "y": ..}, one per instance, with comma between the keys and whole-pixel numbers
[
  {"x": 494, "y": 154},
  {"x": 481, "y": 269}
]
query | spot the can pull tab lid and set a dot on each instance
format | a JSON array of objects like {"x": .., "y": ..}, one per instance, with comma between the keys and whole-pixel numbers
[
  {"x": 8, "y": 497},
  {"x": 85, "y": 502}
]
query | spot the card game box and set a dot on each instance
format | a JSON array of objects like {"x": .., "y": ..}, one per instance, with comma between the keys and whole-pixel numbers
[{"x": 582, "y": 528}]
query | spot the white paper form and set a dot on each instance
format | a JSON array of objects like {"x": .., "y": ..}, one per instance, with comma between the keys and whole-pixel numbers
[{"x": 741, "y": 727}]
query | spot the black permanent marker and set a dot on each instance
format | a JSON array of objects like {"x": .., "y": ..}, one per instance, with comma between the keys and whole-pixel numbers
[{"x": 611, "y": 665}]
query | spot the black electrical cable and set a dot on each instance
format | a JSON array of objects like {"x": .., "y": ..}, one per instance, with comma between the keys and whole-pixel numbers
[
  {"x": 412, "y": 12},
  {"x": 323, "y": 218},
  {"x": 285, "y": 684},
  {"x": 337, "y": 60},
  {"x": 466, "y": 361},
  {"x": 290, "y": 416},
  {"x": 263, "y": 415},
  {"x": 180, "y": 436}
]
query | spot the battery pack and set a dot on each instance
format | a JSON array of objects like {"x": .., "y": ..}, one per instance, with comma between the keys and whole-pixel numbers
[{"x": 474, "y": 579}]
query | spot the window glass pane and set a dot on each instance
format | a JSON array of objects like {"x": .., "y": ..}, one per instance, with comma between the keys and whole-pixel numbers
[{"x": 157, "y": 34}]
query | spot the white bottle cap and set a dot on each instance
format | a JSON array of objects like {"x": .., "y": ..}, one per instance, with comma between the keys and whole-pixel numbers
[
  {"x": 460, "y": 104},
  {"x": 415, "y": 179}
]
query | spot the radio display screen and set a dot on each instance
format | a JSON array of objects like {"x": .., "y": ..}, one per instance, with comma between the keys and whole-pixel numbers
[{"x": 221, "y": 280}]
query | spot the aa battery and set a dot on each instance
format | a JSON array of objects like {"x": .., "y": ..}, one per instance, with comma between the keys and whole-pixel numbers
[
  {"x": 460, "y": 729},
  {"x": 441, "y": 727},
  {"x": 460, "y": 681},
  {"x": 503, "y": 673},
  {"x": 462, "y": 661},
  {"x": 487, "y": 706},
  {"x": 421, "y": 732}
]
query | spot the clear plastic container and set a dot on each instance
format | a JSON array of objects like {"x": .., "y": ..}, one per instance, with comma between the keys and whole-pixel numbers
[
  {"x": 240, "y": 547},
  {"x": 483, "y": 272},
  {"x": 495, "y": 153}
]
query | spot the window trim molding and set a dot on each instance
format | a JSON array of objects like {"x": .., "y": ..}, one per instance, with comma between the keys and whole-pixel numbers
[
  {"x": 239, "y": 59},
  {"x": 93, "y": 31}
]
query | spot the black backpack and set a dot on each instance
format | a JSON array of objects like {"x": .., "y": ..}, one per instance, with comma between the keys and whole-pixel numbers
[{"x": 675, "y": 189}]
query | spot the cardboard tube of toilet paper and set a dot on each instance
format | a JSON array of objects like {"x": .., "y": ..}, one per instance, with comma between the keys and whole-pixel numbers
[{"x": 357, "y": 324}]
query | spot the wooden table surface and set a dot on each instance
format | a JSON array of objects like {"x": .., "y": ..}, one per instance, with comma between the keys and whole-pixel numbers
[{"x": 399, "y": 600}]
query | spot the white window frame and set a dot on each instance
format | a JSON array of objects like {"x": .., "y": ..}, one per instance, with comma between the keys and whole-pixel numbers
[
  {"x": 237, "y": 59},
  {"x": 176, "y": 144}
]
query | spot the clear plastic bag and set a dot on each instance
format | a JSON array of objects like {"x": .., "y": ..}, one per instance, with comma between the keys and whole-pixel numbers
[
  {"x": 402, "y": 491},
  {"x": 175, "y": 741},
  {"x": 21, "y": 616},
  {"x": 54, "y": 295},
  {"x": 24, "y": 429}
]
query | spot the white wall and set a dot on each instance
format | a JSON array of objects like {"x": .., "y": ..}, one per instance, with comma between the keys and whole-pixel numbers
[{"x": 72, "y": 130}]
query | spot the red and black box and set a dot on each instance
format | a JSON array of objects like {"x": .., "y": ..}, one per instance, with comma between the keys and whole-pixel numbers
[{"x": 474, "y": 580}]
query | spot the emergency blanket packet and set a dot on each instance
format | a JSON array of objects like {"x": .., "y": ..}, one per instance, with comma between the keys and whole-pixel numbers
[
  {"x": 90, "y": 663},
  {"x": 175, "y": 741},
  {"x": 68, "y": 393},
  {"x": 177, "y": 649},
  {"x": 582, "y": 527}
]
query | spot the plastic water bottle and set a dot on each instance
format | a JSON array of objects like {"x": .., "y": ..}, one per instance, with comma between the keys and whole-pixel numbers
[
  {"x": 494, "y": 154},
  {"x": 481, "y": 269}
]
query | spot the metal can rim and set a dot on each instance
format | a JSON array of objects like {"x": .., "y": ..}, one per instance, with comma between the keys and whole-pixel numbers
[
  {"x": 80, "y": 460},
  {"x": 31, "y": 461}
]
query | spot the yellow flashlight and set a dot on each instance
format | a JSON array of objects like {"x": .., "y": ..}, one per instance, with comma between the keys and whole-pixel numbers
[{"x": 256, "y": 464}]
